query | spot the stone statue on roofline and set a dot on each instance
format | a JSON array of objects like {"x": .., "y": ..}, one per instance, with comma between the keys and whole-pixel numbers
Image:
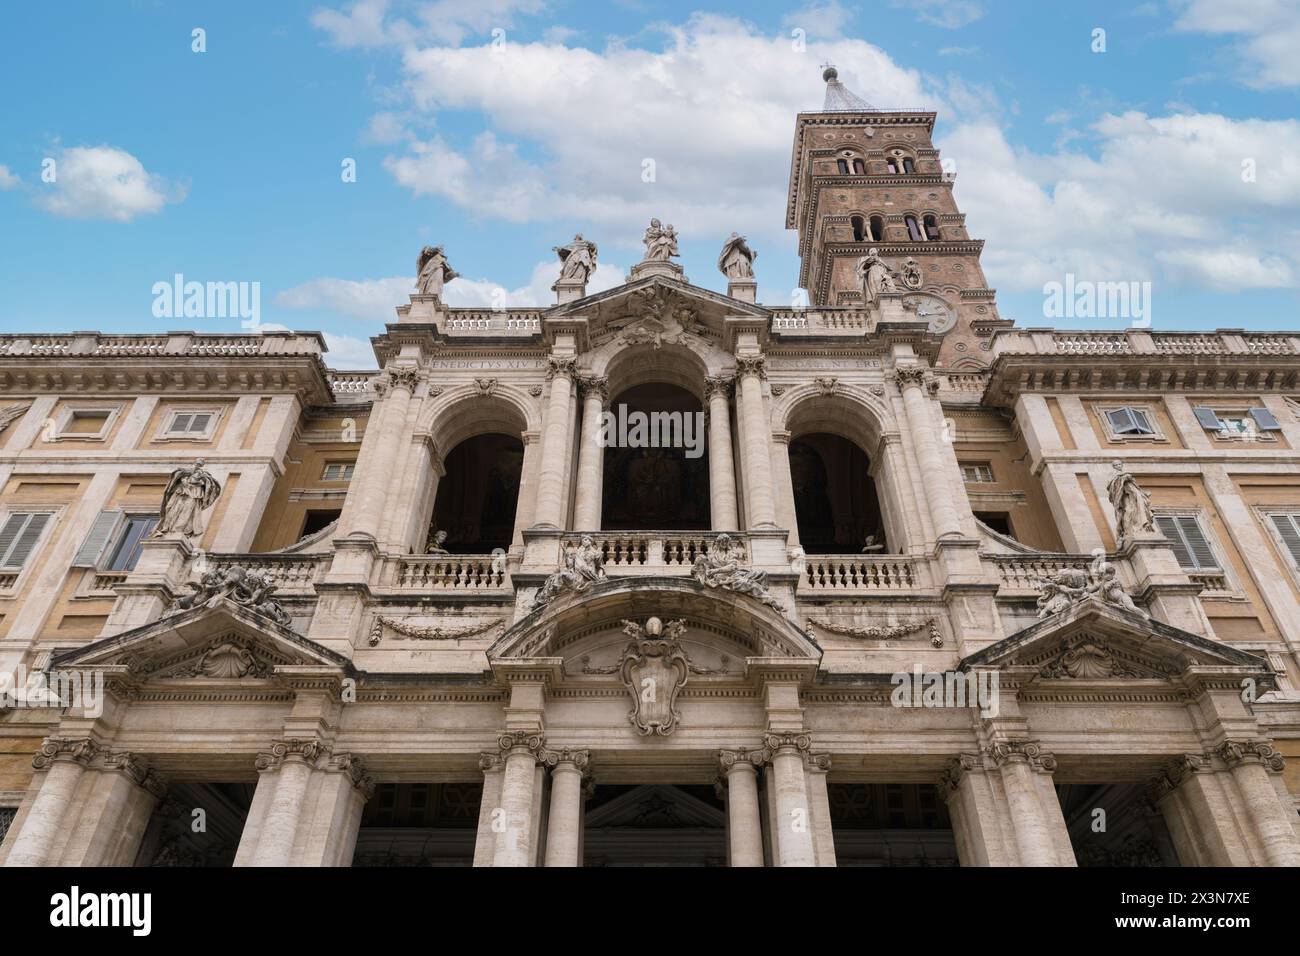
[
  {"x": 736, "y": 260},
  {"x": 433, "y": 271},
  {"x": 660, "y": 242},
  {"x": 577, "y": 260}
]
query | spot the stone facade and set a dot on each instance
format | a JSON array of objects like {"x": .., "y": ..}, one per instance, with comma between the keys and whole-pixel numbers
[{"x": 348, "y": 660}]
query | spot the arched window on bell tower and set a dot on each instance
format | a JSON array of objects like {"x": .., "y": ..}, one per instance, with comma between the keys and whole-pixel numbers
[
  {"x": 859, "y": 229},
  {"x": 892, "y": 165},
  {"x": 843, "y": 165},
  {"x": 859, "y": 167},
  {"x": 909, "y": 167},
  {"x": 877, "y": 229},
  {"x": 913, "y": 229},
  {"x": 931, "y": 228}
]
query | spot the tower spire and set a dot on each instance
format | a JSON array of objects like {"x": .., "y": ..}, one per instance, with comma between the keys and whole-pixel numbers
[{"x": 839, "y": 98}]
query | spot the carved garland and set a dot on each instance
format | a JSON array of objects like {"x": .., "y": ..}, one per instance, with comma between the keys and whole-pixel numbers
[
  {"x": 879, "y": 633},
  {"x": 431, "y": 632}
]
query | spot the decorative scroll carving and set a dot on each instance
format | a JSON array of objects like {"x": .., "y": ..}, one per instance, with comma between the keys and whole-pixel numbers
[
  {"x": 355, "y": 768},
  {"x": 430, "y": 632},
  {"x": 827, "y": 386},
  {"x": 134, "y": 767},
  {"x": 958, "y": 767},
  {"x": 594, "y": 385},
  {"x": 1175, "y": 772},
  {"x": 910, "y": 375},
  {"x": 561, "y": 365},
  {"x": 796, "y": 741},
  {"x": 250, "y": 589},
  {"x": 78, "y": 749},
  {"x": 307, "y": 749},
  {"x": 751, "y": 365},
  {"x": 189, "y": 493},
  {"x": 719, "y": 384},
  {"x": 1234, "y": 752},
  {"x": 1022, "y": 751},
  {"x": 654, "y": 669},
  {"x": 755, "y": 758},
  {"x": 1087, "y": 659},
  {"x": 485, "y": 386},
  {"x": 878, "y": 632},
  {"x": 578, "y": 758},
  {"x": 403, "y": 376},
  {"x": 511, "y": 741},
  {"x": 721, "y": 567}
]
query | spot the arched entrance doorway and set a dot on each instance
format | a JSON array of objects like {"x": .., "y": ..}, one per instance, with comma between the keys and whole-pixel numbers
[
  {"x": 834, "y": 496},
  {"x": 478, "y": 494},
  {"x": 656, "y": 469}
]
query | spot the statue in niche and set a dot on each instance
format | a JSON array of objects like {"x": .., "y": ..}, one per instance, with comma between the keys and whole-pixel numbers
[
  {"x": 189, "y": 493},
  {"x": 577, "y": 259},
  {"x": 584, "y": 565},
  {"x": 721, "y": 567},
  {"x": 1132, "y": 505},
  {"x": 875, "y": 276},
  {"x": 736, "y": 261},
  {"x": 433, "y": 271},
  {"x": 660, "y": 242}
]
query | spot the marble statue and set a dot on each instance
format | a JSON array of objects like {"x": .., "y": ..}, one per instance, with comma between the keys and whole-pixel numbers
[
  {"x": 250, "y": 589},
  {"x": 721, "y": 567},
  {"x": 433, "y": 271},
  {"x": 436, "y": 543},
  {"x": 736, "y": 260},
  {"x": 1106, "y": 586},
  {"x": 189, "y": 493},
  {"x": 577, "y": 259},
  {"x": 583, "y": 567},
  {"x": 911, "y": 273},
  {"x": 1132, "y": 505},
  {"x": 660, "y": 242},
  {"x": 875, "y": 276},
  {"x": 1063, "y": 589}
]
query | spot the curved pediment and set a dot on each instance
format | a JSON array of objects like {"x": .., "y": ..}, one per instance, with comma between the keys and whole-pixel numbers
[
  {"x": 1097, "y": 641},
  {"x": 718, "y": 624}
]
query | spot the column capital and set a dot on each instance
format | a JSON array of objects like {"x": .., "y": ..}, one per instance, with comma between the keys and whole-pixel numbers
[
  {"x": 404, "y": 376},
  {"x": 522, "y": 741},
  {"x": 306, "y": 750},
  {"x": 785, "y": 743},
  {"x": 355, "y": 768},
  {"x": 1175, "y": 771},
  {"x": 564, "y": 366},
  {"x": 909, "y": 376},
  {"x": 75, "y": 749},
  {"x": 1021, "y": 751},
  {"x": 950, "y": 777},
  {"x": 751, "y": 365},
  {"x": 818, "y": 762},
  {"x": 1236, "y": 752},
  {"x": 597, "y": 385},
  {"x": 578, "y": 759},
  {"x": 730, "y": 760},
  {"x": 718, "y": 385},
  {"x": 132, "y": 766}
]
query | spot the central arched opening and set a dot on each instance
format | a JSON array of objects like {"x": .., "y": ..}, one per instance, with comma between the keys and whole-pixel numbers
[
  {"x": 656, "y": 468},
  {"x": 478, "y": 494},
  {"x": 835, "y": 499}
]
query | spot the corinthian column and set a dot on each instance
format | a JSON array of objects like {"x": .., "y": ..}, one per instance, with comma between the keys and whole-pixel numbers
[
  {"x": 1040, "y": 832},
  {"x": 564, "y": 827},
  {"x": 288, "y": 768},
  {"x": 794, "y": 819},
  {"x": 1250, "y": 763},
  {"x": 514, "y": 839},
  {"x": 744, "y": 825},
  {"x": 722, "y": 472},
  {"x": 363, "y": 509},
  {"x": 921, "y": 424},
  {"x": 64, "y": 760},
  {"x": 549, "y": 512},
  {"x": 759, "y": 499},
  {"x": 591, "y": 455}
]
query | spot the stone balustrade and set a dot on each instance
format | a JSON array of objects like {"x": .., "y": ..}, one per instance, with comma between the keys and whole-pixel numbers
[
  {"x": 493, "y": 321},
  {"x": 289, "y": 572},
  {"x": 169, "y": 344},
  {"x": 635, "y": 552},
  {"x": 833, "y": 572},
  {"x": 1138, "y": 341}
]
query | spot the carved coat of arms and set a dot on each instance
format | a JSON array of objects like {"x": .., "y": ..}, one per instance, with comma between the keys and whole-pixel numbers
[{"x": 654, "y": 670}]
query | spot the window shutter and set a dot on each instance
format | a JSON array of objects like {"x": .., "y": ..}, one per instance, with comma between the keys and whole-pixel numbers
[
  {"x": 1207, "y": 418},
  {"x": 1265, "y": 420},
  {"x": 1169, "y": 528},
  {"x": 181, "y": 423},
  {"x": 1141, "y": 421},
  {"x": 1121, "y": 419},
  {"x": 9, "y": 533},
  {"x": 26, "y": 540},
  {"x": 200, "y": 423},
  {"x": 92, "y": 549},
  {"x": 1289, "y": 530}
]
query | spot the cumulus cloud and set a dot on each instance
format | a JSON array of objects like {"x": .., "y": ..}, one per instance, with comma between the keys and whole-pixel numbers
[
  {"x": 375, "y": 23},
  {"x": 348, "y": 351},
  {"x": 8, "y": 180},
  {"x": 949, "y": 14},
  {"x": 825, "y": 19},
  {"x": 1269, "y": 32},
  {"x": 104, "y": 182}
]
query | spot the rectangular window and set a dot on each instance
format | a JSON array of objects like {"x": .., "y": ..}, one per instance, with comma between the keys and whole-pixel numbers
[
  {"x": 126, "y": 550},
  {"x": 19, "y": 536},
  {"x": 998, "y": 521},
  {"x": 981, "y": 473},
  {"x": 338, "y": 471},
  {"x": 86, "y": 422},
  {"x": 192, "y": 424},
  {"x": 1190, "y": 543},
  {"x": 1127, "y": 420},
  {"x": 1241, "y": 423},
  {"x": 1288, "y": 529}
]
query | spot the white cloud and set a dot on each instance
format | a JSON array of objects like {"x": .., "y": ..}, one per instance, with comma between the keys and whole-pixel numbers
[
  {"x": 347, "y": 351},
  {"x": 827, "y": 18},
  {"x": 570, "y": 131},
  {"x": 8, "y": 180},
  {"x": 949, "y": 14},
  {"x": 1163, "y": 197},
  {"x": 1269, "y": 31},
  {"x": 104, "y": 182}
]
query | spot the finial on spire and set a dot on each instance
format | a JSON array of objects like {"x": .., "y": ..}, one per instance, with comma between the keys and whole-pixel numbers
[
  {"x": 829, "y": 72},
  {"x": 839, "y": 98}
]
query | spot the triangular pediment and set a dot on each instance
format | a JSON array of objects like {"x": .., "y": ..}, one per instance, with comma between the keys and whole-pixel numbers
[
  {"x": 217, "y": 641},
  {"x": 1097, "y": 641},
  {"x": 655, "y": 807}
]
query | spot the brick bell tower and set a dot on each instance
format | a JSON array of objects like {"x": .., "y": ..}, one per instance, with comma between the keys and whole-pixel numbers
[{"x": 863, "y": 178}]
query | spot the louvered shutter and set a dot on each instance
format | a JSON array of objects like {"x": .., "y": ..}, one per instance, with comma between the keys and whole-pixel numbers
[
  {"x": 1265, "y": 420},
  {"x": 25, "y": 540},
  {"x": 1289, "y": 530},
  {"x": 9, "y": 533},
  {"x": 1190, "y": 544},
  {"x": 1169, "y": 528},
  {"x": 200, "y": 424},
  {"x": 1207, "y": 418},
  {"x": 92, "y": 549}
]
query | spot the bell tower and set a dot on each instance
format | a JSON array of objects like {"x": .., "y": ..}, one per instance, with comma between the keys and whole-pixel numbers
[{"x": 863, "y": 178}]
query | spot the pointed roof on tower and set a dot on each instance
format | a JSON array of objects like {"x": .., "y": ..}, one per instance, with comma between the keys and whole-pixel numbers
[{"x": 839, "y": 98}]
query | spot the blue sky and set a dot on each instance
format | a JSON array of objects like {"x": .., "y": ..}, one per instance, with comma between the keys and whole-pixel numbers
[{"x": 498, "y": 128}]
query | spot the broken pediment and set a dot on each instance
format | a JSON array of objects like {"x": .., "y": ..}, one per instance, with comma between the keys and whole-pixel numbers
[
  {"x": 1097, "y": 641},
  {"x": 218, "y": 641}
]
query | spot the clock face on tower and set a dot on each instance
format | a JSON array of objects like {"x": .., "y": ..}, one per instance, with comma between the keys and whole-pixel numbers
[{"x": 933, "y": 310}]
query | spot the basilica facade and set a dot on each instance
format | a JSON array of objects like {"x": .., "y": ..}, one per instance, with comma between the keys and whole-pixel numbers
[{"x": 661, "y": 575}]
